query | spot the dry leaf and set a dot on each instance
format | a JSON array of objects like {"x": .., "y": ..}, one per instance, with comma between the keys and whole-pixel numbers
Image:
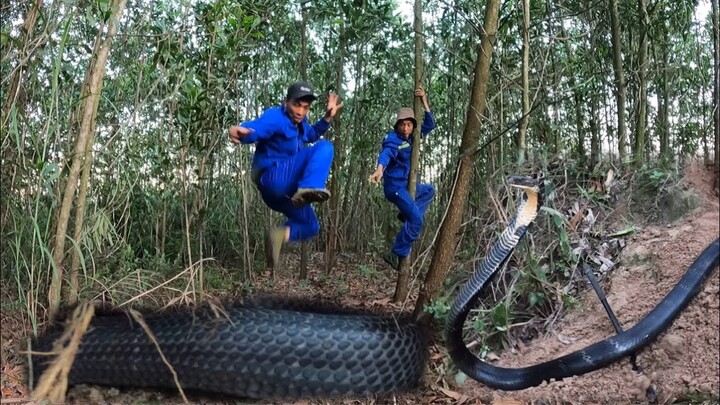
[
  {"x": 492, "y": 357},
  {"x": 578, "y": 215},
  {"x": 458, "y": 397},
  {"x": 507, "y": 401},
  {"x": 7, "y": 392},
  {"x": 565, "y": 339},
  {"x": 609, "y": 178}
]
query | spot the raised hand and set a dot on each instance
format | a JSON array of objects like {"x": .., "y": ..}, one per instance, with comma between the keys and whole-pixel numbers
[
  {"x": 236, "y": 133},
  {"x": 376, "y": 176},
  {"x": 332, "y": 105}
]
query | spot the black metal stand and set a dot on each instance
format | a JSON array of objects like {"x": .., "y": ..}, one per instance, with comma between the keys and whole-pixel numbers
[{"x": 650, "y": 393}]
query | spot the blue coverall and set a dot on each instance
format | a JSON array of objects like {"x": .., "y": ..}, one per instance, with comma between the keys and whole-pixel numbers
[
  {"x": 282, "y": 164},
  {"x": 395, "y": 158}
]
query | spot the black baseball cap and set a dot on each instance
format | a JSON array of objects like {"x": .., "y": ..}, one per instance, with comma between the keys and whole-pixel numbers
[{"x": 300, "y": 90}]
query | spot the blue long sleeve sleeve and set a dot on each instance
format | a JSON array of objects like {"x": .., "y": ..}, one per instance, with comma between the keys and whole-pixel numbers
[
  {"x": 428, "y": 123},
  {"x": 263, "y": 127}
]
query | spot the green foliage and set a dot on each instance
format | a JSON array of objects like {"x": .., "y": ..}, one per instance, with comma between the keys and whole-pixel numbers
[
  {"x": 569, "y": 301},
  {"x": 659, "y": 194},
  {"x": 439, "y": 309},
  {"x": 692, "y": 397},
  {"x": 560, "y": 226},
  {"x": 501, "y": 318},
  {"x": 368, "y": 272},
  {"x": 536, "y": 298},
  {"x": 341, "y": 286}
]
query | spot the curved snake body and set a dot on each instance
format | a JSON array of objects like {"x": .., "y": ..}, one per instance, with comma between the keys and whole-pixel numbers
[
  {"x": 255, "y": 352},
  {"x": 591, "y": 358},
  {"x": 277, "y": 353}
]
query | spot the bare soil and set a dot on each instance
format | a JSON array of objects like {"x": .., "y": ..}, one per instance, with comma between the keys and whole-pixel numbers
[
  {"x": 681, "y": 366},
  {"x": 684, "y": 360}
]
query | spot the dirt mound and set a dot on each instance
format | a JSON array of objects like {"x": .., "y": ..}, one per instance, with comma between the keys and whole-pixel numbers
[{"x": 683, "y": 363}]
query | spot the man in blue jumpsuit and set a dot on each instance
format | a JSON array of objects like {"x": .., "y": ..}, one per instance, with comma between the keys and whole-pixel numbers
[
  {"x": 289, "y": 174},
  {"x": 393, "y": 167}
]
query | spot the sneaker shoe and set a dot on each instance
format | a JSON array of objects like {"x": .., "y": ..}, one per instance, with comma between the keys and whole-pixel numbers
[
  {"x": 305, "y": 196},
  {"x": 274, "y": 239},
  {"x": 392, "y": 259}
]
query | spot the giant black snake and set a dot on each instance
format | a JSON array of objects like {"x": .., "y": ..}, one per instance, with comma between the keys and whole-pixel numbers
[{"x": 268, "y": 352}]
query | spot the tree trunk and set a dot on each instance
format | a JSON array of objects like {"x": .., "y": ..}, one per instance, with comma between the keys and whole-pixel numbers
[
  {"x": 716, "y": 90},
  {"x": 84, "y": 180},
  {"x": 577, "y": 97},
  {"x": 355, "y": 165},
  {"x": 594, "y": 130},
  {"x": 97, "y": 72},
  {"x": 447, "y": 238},
  {"x": 18, "y": 73},
  {"x": 554, "y": 117},
  {"x": 663, "y": 99},
  {"x": 596, "y": 89},
  {"x": 641, "y": 111},
  {"x": 333, "y": 213},
  {"x": 402, "y": 285},
  {"x": 522, "y": 127},
  {"x": 303, "y": 271},
  {"x": 80, "y": 211},
  {"x": 619, "y": 78}
]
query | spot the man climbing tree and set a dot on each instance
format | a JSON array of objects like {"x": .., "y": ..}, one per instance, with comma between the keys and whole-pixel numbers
[{"x": 393, "y": 167}]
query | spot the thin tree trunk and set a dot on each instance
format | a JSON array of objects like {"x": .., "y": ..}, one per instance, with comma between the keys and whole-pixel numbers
[
  {"x": 594, "y": 130},
  {"x": 303, "y": 271},
  {"x": 577, "y": 97},
  {"x": 12, "y": 92},
  {"x": 663, "y": 99},
  {"x": 641, "y": 112},
  {"x": 596, "y": 91},
  {"x": 97, "y": 69},
  {"x": 80, "y": 212},
  {"x": 442, "y": 197},
  {"x": 18, "y": 73},
  {"x": 84, "y": 179},
  {"x": 447, "y": 238},
  {"x": 402, "y": 287},
  {"x": 716, "y": 90},
  {"x": 501, "y": 142},
  {"x": 522, "y": 127},
  {"x": 548, "y": 137},
  {"x": 336, "y": 164},
  {"x": 620, "y": 87},
  {"x": 355, "y": 165},
  {"x": 554, "y": 118}
]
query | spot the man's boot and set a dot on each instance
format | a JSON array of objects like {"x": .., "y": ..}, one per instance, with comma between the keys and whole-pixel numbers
[
  {"x": 304, "y": 196},
  {"x": 393, "y": 260},
  {"x": 274, "y": 239}
]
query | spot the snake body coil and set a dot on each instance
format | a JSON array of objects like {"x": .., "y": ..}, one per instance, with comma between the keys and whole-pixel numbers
[
  {"x": 255, "y": 352},
  {"x": 591, "y": 358},
  {"x": 277, "y": 353}
]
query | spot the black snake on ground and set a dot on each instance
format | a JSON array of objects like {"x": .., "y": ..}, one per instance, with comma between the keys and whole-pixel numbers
[{"x": 268, "y": 352}]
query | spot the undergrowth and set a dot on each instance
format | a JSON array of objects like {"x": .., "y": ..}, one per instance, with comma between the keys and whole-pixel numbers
[{"x": 582, "y": 210}]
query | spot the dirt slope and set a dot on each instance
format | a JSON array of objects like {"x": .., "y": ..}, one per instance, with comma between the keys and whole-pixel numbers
[{"x": 686, "y": 356}]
